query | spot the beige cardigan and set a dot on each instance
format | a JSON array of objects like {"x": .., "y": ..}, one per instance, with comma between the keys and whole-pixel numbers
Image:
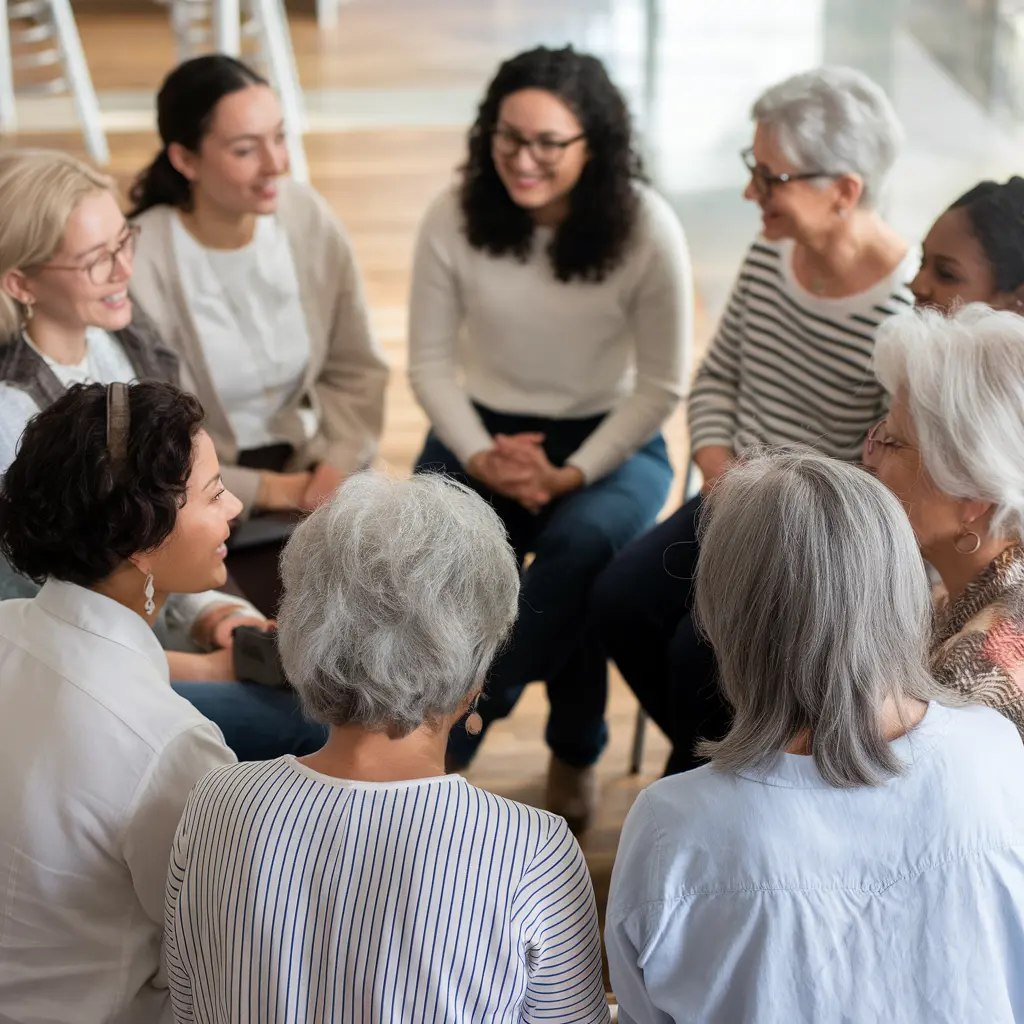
[{"x": 346, "y": 375}]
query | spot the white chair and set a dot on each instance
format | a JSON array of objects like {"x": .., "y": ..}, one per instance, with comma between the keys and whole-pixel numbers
[
  {"x": 222, "y": 25},
  {"x": 43, "y": 34}
]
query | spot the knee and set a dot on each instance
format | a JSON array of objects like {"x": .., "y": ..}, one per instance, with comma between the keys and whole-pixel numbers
[{"x": 584, "y": 544}]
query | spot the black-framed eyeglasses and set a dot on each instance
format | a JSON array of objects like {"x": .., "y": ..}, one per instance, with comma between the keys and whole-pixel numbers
[
  {"x": 100, "y": 271},
  {"x": 545, "y": 151},
  {"x": 764, "y": 181}
]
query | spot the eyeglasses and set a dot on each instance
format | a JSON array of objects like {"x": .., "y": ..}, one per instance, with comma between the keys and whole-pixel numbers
[
  {"x": 547, "y": 152},
  {"x": 101, "y": 270},
  {"x": 887, "y": 444},
  {"x": 764, "y": 181}
]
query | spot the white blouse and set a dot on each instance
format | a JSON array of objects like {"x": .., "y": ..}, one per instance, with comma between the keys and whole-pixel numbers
[
  {"x": 248, "y": 314},
  {"x": 97, "y": 757}
]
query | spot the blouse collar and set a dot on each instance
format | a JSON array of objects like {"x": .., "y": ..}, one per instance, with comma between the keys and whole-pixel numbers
[
  {"x": 103, "y": 617},
  {"x": 1004, "y": 573}
]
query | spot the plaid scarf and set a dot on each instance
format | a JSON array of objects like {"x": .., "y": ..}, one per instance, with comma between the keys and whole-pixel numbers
[{"x": 978, "y": 644}]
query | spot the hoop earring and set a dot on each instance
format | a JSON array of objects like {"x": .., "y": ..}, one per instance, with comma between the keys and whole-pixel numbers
[
  {"x": 969, "y": 551},
  {"x": 150, "y": 603},
  {"x": 474, "y": 721}
]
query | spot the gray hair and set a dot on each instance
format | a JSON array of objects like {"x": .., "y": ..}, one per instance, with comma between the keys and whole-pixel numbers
[
  {"x": 835, "y": 120},
  {"x": 397, "y": 597},
  {"x": 813, "y": 593},
  {"x": 962, "y": 378}
]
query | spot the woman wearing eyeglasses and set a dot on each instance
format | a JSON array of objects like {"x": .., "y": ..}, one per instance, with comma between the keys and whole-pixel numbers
[
  {"x": 949, "y": 448},
  {"x": 549, "y": 329},
  {"x": 790, "y": 363},
  {"x": 66, "y": 260}
]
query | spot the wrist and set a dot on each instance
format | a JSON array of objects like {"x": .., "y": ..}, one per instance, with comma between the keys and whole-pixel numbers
[{"x": 567, "y": 479}]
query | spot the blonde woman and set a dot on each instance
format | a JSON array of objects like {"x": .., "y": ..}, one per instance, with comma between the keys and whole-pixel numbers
[{"x": 66, "y": 259}]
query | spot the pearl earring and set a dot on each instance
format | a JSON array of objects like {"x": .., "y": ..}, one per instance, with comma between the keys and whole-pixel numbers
[{"x": 150, "y": 603}]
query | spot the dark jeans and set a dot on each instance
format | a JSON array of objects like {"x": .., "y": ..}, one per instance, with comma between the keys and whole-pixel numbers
[
  {"x": 641, "y": 612},
  {"x": 571, "y": 540},
  {"x": 259, "y": 723}
]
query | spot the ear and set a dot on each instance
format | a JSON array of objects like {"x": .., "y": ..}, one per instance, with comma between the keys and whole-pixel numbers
[
  {"x": 1012, "y": 302},
  {"x": 182, "y": 160},
  {"x": 850, "y": 188},
  {"x": 15, "y": 283},
  {"x": 141, "y": 563},
  {"x": 973, "y": 511}
]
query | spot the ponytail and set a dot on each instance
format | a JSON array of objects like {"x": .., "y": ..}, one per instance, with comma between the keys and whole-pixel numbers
[{"x": 160, "y": 184}]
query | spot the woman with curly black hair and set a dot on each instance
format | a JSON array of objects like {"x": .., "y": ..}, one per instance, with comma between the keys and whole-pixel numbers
[
  {"x": 549, "y": 330},
  {"x": 115, "y": 500}
]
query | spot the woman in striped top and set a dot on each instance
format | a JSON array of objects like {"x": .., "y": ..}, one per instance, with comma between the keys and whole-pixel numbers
[
  {"x": 361, "y": 884},
  {"x": 790, "y": 363}
]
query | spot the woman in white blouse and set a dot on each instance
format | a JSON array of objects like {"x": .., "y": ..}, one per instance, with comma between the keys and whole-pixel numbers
[
  {"x": 549, "y": 329},
  {"x": 65, "y": 318},
  {"x": 115, "y": 500},
  {"x": 250, "y": 278},
  {"x": 362, "y": 884},
  {"x": 855, "y": 849}
]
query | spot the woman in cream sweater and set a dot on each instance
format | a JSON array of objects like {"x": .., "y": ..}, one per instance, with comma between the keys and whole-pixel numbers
[{"x": 252, "y": 281}]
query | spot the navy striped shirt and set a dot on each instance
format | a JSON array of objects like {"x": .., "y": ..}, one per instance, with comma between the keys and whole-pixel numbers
[
  {"x": 790, "y": 367},
  {"x": 297, "y": 897}
]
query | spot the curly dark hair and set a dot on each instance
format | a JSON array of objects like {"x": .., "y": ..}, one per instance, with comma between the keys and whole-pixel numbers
[
  {"x": 593, "y": 239},
  {"x": 996, "y": 213},
  {"x": 66, "y": 512}
]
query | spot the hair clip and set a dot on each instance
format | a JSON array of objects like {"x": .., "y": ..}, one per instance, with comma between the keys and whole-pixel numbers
[{"x": 118, "y": 423}]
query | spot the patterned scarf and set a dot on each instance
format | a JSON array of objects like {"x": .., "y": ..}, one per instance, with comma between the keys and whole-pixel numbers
[{"x": 978, "y": 644}]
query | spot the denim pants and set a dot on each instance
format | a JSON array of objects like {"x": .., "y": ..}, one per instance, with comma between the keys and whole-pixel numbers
[
  {"x": 641, "y": 612},
  {"x": 571, "y": 541},
  {"x": 259, "y": 723}
]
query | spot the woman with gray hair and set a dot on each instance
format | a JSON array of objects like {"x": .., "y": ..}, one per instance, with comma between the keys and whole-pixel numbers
[
  {"x": 855, "y": 848},
  {"x": 361, "y": 884},
  {"x": 950, "y": 449},
  {"x": 791, "y": 363}
]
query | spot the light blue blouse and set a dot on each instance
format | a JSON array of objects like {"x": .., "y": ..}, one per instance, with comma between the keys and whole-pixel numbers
[{"x": 775, "y": 897}]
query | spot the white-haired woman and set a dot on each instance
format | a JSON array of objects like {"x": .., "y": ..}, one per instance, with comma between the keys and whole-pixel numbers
[
  {"x": 950, "y": 449},
  {"x": 791, "y": 363},
  {"x": 855, "y": 849},
  {"x": 362, "y": 883}
]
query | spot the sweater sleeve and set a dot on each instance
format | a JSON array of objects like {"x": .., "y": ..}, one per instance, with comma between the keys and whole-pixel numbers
[
  {"x": 662, "y": 321},
  {"x": 436, "y": 312},
  {"x": 712, "y": 408},
  {"x": 351, "y": 385}
]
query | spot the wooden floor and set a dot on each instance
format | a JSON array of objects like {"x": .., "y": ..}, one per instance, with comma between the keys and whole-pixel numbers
[{"x": 379, "y": 182}]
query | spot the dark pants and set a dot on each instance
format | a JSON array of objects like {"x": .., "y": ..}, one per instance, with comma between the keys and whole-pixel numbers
[
  {"x": 571, "y": 541},
  {"x": 641, "y": 612},
  {"x": 259, "y": 723}
]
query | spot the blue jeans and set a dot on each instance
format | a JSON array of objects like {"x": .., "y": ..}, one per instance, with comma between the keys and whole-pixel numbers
[
  {"x": 571, "y": 541},
  {"x": 258, "y": 723}
]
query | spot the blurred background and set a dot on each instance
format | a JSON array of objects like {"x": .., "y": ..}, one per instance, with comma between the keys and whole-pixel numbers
[{"x": 386, "y": 88}]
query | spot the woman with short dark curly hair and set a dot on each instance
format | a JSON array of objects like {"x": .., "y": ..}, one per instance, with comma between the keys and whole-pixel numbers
[
  {"x": 115, "y": 500},
  {"x": 549, "y": 330}
]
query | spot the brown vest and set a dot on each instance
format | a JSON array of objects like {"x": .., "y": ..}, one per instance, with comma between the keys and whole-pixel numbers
[{"x": 22, "y": 367}]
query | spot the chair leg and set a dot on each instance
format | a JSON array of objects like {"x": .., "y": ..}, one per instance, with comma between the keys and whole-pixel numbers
[
  {"x": 80, "y": 81},
  {"x": 227, "y": 27},
  {"x": 8, "y": 114},
  {"x": 277, "y": 44},
  {"x": 327, "y": 13},
  {"x": 636, "y": 756}
]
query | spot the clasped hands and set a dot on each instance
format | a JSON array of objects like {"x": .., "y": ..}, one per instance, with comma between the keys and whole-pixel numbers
[{"x": 518, "y": 468}]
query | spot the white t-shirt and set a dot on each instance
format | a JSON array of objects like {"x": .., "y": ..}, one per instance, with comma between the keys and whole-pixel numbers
[
  {"x": 772, "y": 896},
  {"x": 97, "y": 757},
  {"x": 248, "y": 315}
]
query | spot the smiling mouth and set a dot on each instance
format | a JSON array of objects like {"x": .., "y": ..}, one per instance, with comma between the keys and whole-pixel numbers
[{"x": 115, "y": 300}]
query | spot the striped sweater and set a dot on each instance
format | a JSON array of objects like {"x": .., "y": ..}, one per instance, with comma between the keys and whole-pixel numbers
[
  {"x": 789, "y": 367},
  {"x": 295, "y": 897}
]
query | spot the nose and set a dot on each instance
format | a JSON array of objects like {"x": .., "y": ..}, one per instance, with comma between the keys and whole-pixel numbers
[
  {"x": 751, "y": 192},
  {"x": 921, "y": 288},
  {"x": 231, "y": 505},
  {"x": 123, "y": 265},
  {"x": 524, "y": 160},
  {"x": 275, "y": 160}
]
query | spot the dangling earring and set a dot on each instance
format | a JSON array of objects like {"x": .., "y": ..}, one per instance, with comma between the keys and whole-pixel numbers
[
  {"x": 29, "y": 311},
  {"x": 963, "y": 536},
  {"x": 150, "y": 603},
  {"x": 474, "y": 723}
]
